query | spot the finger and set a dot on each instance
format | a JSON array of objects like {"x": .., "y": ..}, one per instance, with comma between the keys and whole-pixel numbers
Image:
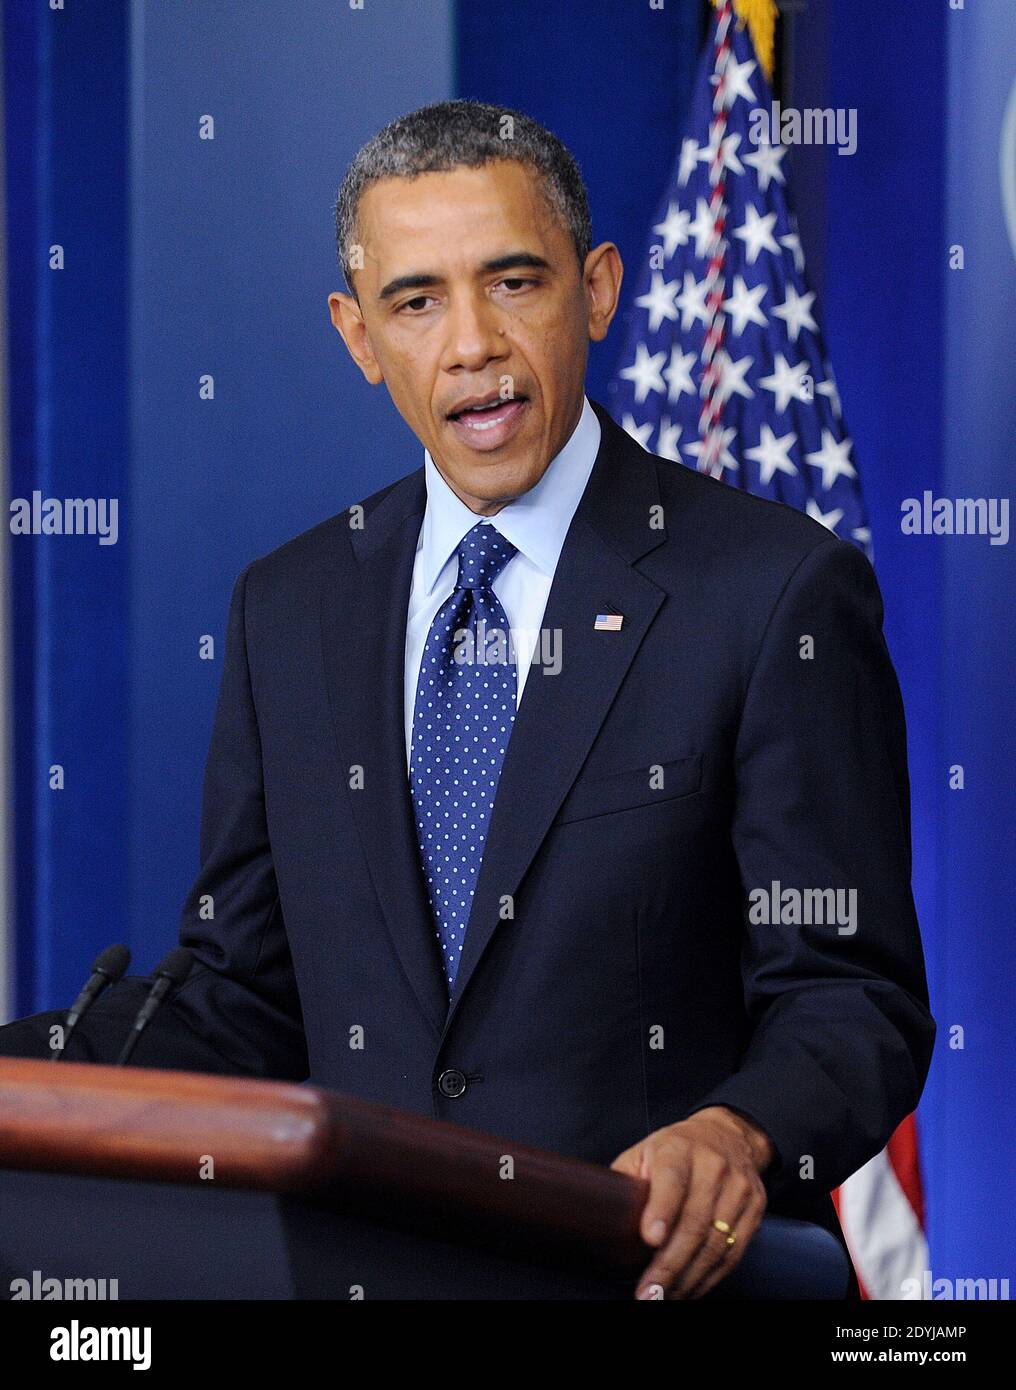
[
  {"x": 740, "y": 1205},
  {"x": 732, "y": 1204},
  {"x": 703, "y": 1179},
  {"x": 629, "y": 1162},
  {"x": 745, "y": 1233},
  {"x": 668, "y": 1168}
]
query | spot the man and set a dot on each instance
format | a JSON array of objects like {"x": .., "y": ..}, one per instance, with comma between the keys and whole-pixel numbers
[{"x": 542, "y": 916}]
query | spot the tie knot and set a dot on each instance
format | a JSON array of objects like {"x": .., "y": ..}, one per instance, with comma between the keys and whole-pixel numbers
[{"x": 483, "y": 553}]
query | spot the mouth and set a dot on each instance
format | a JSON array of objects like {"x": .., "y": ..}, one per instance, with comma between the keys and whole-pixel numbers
[{"x": 487, "y": 422}]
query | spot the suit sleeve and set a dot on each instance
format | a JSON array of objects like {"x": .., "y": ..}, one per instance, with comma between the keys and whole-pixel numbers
[
  {"x": 841, "y": 1031},
  {"x": 238, "y": 1012}
]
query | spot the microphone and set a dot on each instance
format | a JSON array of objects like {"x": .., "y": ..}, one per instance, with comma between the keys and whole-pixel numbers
[
  {"x": 110, "y": 966},
  {"x": 169, "y": 975}
]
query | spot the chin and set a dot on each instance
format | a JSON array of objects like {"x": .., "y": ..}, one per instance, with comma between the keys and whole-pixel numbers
[{"x": 500, "y": 483}]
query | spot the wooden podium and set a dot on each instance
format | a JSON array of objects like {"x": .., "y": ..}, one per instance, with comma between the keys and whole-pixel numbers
[{"x": 180, "y": 1184}]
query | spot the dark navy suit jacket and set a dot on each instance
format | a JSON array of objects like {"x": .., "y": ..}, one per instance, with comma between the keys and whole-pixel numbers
[{"x": 611, "y": 980}]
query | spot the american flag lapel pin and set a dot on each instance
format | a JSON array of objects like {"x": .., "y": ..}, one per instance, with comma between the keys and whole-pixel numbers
[{"x": 608, "y": 622}]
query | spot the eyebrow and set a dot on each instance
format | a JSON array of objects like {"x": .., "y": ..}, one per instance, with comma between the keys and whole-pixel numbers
[{"x": 513, "y": 260}]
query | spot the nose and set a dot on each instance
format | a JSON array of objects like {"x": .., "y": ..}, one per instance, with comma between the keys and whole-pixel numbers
[{"x": 472, "y": 338}]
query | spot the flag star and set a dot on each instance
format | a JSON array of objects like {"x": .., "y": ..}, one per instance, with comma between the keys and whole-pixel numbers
[
  {"x": 829, "y": 519},
  {"x": 678, "y": 373},
  {"x": 732, "y": 377},
  {"x": 692, "y": 301},
  {"x": 756, "y": 232},
  {"x": 716, "y": 454},
  {"x": 736, "y": 82},
  {"x": 666, "y": 440},
  {"x": 832, "y": 459},
  {"x": 787, "y": 382},
  {"x": 689, "y": 158},
  {"x": 795, "y": 311},
  {"x": 767, "y": 161},
  {"x": 793, "y": 243},
  {"x": 645, "y": 372},
  {"x": 772, "y": 454},
  {"x": 828, "y": 388},
  {"x": 726, "y": 151},
  {"x": 674, "y": 230},
  {"x": 703, "y": 229},
  {"x": 862, "y": 534},
  {"x": 659, "y": 301},
  {"x": 640, "y": 433},
  {"x": 743, "y": 305}
]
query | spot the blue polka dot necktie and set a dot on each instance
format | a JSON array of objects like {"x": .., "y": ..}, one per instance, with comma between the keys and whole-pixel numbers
[{"x": 462, "y": 721}]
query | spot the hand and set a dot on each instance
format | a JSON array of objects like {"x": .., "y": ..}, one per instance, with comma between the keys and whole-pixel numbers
[{"x": 705, "y": 1167}]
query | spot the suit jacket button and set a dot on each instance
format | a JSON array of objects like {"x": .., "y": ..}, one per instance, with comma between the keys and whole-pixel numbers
[{"x": 452, "y": 1082}]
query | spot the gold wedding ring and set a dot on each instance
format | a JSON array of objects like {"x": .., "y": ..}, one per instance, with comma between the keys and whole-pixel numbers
[{"x": 725, "y": 1230}]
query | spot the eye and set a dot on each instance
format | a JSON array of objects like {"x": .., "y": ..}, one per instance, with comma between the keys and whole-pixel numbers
[
  {"x": 514, "y": 281},
  {"x": 419, "y": 300}
]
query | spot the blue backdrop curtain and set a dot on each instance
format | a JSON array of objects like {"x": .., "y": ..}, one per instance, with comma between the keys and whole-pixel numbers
[{"x": 66, "y": 123}]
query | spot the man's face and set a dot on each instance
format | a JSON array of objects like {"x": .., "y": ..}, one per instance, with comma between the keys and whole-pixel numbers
[{"x": 470, "y": 294}]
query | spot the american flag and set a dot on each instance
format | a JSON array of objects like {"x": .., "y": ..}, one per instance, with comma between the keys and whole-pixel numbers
[
  {"x": 724, "y": 369},
  {"x": 724, "y": 366}
]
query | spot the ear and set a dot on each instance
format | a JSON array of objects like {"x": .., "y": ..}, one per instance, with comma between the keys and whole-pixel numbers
[
  {"x": 348, "y": 321},
  {"x": 601, "y": 276}
]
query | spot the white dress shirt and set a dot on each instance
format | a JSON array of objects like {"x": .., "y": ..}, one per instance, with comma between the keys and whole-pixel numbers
[{"x": 536, "y": 524}]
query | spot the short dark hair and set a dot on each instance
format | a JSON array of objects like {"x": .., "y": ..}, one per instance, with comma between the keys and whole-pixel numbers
[{"x": 456, "y": 134}]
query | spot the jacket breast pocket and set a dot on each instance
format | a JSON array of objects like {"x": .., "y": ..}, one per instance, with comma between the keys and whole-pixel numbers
[{"x": 637, "y": 786}]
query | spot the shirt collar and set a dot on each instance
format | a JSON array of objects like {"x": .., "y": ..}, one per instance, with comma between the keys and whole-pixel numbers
[{"x": 536, "y": 523}]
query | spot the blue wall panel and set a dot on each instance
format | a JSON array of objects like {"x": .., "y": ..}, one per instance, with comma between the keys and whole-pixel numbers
[
  {"x": 975, "y": 1134},
  {"x": 885, "y": 315},
  {"x": 234, "y": 257}
]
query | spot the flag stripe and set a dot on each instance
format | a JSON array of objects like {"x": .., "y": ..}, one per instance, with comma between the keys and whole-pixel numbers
[{"x": 883, "y": 1231}]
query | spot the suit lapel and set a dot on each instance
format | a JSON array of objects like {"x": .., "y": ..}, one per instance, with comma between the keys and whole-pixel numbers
[
  {"x": 560, "y": 715},
  {"x": 363, "y": 626}
]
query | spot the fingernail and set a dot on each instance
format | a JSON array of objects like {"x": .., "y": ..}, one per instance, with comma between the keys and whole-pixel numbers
[
  {"x": 651, "y": 1291},
  {"x": 657, "y": 1231}
]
